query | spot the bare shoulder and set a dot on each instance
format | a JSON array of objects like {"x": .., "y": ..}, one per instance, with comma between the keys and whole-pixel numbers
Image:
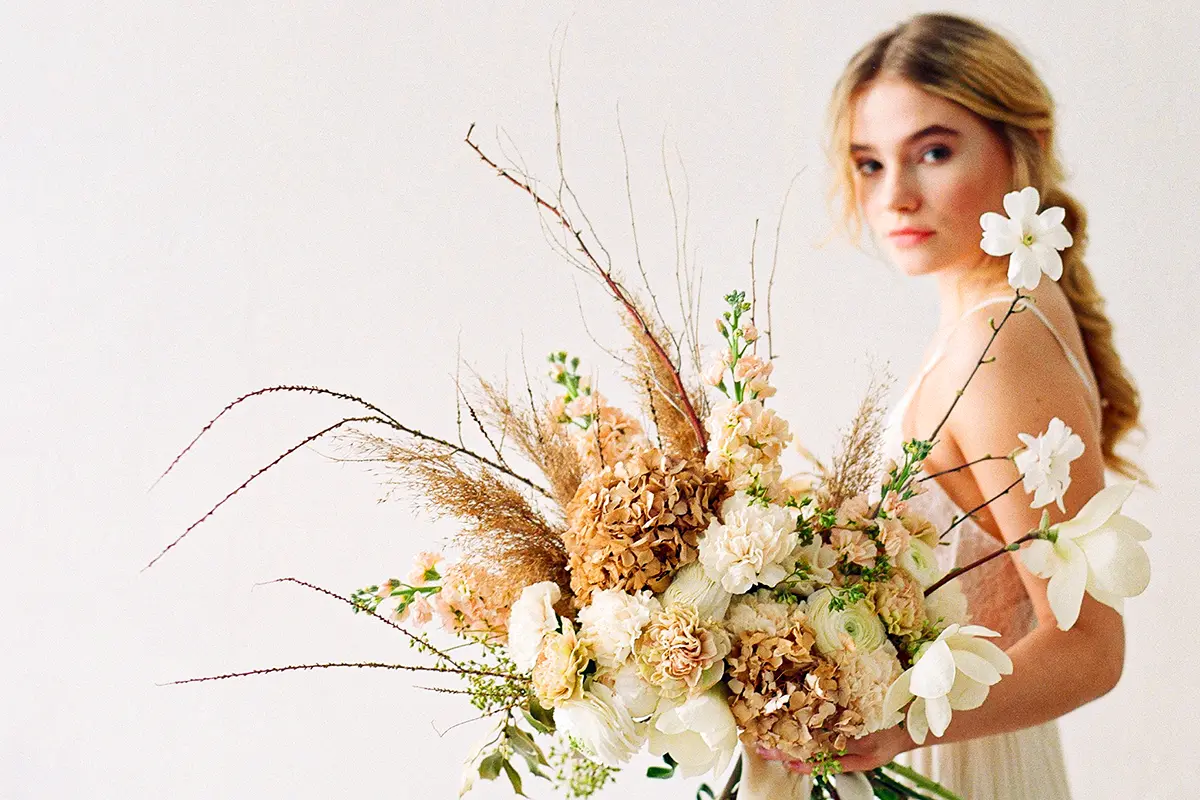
[{"x": 1026, "y": 381}]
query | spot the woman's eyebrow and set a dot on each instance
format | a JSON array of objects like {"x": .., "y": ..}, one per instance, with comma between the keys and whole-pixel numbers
[{"x": 941, "y": 130}]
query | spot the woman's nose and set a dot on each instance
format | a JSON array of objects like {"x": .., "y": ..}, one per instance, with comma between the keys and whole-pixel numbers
[{"x": 901, "y": 192}]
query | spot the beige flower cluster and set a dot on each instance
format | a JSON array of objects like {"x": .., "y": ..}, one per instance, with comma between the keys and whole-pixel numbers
[
  {"x": 745, "y": 441},
  {"x": 634, "y": 523},
  {"x": 784, "y": 695}
]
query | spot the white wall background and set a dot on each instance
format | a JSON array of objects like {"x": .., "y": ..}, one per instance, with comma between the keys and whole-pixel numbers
[{"x": 201, "y": 199}]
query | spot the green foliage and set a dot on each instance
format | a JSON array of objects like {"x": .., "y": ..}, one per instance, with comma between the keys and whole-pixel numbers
[
  {"x": 577, "y": 774},
  {"x": 566, "y": 374}
]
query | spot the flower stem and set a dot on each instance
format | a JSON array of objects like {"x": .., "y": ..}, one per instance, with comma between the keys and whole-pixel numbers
[
  {"x": 1012, "y": 309},
  {"x": 962, "y": 467},
  {"x": 957, "y": 572},
  {"x": 921, "y": 781},
  {"x": 979, "y": 507}
]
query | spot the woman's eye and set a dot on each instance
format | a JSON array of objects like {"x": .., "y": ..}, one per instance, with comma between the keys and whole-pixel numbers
[
  {"x": 867, "y": 167},
  {"x": 942, "y": 151}
]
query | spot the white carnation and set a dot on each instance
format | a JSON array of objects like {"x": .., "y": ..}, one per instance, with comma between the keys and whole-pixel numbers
[
  {"x": 752, "y": 545},
  {"x": 613, "y": 621},
  {"x": 532, "y": 617}
]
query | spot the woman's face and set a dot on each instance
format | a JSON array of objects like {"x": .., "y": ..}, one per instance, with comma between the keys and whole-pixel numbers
[{"x": 925, "y": 164}]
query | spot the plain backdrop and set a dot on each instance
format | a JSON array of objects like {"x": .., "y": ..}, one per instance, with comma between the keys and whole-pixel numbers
[{"x": 201, "y": 199}]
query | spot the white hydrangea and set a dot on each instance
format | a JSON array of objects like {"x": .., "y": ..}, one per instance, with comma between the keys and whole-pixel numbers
[
  {"x": 613, "y": 621},
  {"x": 751, "y": 544}
]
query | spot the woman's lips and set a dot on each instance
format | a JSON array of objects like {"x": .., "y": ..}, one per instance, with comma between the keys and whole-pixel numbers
[{"x": 908, "y": 237}]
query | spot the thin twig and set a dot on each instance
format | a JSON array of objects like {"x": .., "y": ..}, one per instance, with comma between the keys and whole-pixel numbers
[
  {"x": 363, "y": 664},
  {"x": 979, "y": 507},
  {"x": 775, "y": 262},
  {"x": 963, "y": 466},
  {"x": 979, "y": 562},
  {"x": 1012, "y": 309}
]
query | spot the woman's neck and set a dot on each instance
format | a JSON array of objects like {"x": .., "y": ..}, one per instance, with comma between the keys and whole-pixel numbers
[{"x": 961, "y": 289}]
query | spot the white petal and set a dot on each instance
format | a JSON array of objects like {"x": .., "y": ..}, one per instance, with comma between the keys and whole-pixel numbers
[
  {"x": 1049, "y": 261},
  {"x": 1054, "y": 215},
  {"x": 967, "y": 694},
  {"x": 898, "y": 694},
  {"x": 1000, "y": 235},
  {"x": 1116, "y": 562},
  {"x": 1096, "y": 512},
  {"x": 917, "y": 723},
  {"x": 1037, "y": 556},
  {"x": 990, "y": 652},
  {"x": 933, "y": 675},
  {"x": 974, "y": 630},
  {"x": 1023, "y": 270},
  {"x": 1023, "y": 204},
  {"x": 854, "y": 786},
  {"x": 1113, "y": 601},
  {"x": 976, "y": 667},
  {"x": 937, "y": 711},
  {"x": 1065, "y": 591},
  {"x": 1128, "y": 526}
]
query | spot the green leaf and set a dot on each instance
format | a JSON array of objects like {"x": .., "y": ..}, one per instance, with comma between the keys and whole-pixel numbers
[
  {"x": 513, "y": 778},
  {"x": 534, "y": 722},
  {"x": 659, "y": 772},
  {"x": 705, "y": 792},
  {"x": 489, "y": 768},
  {"x": 525, "y": 745},
  {"x": 544, "y": 716}
]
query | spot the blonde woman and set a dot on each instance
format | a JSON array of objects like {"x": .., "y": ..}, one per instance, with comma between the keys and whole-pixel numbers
[{"x": 931, "y": 124}]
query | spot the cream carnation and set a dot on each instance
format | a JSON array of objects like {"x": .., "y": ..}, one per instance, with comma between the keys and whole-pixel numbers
[
  {"x": 753, "y": 544},
  {"x": 613, "y": 621},
  {"x": 679, "y": 654},
  {"x": 863, "y": 682}
]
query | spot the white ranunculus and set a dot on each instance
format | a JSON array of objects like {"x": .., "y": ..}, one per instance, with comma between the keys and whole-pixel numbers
[
  {"x": 1099, "y": 551},
  {"x": 751, "y": 544},
  {"x": 613, "y": 621},
  {"x": 920, "y": 560},
  {"x": 531, "y": 618},
  {"x": 817, "y": 559},
  {"x": 1031, "y": 240},
  {"x": 691, "y": 586},
  {"x": 602, "y": 722},
  {"x": 1045, "y": 463},
  {"x": 700, "y": 734},
  {"x": 955, "y": 672},
  {"x": 635, "y": 692},
  {"x": 856, "y": 621}
]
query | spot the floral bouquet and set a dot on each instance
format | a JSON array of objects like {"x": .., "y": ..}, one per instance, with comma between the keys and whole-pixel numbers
[{"x": 662, "y": 584}]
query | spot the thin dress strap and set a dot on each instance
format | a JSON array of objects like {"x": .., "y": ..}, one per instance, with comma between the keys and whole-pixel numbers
[{"x": 1088, "y": 383}]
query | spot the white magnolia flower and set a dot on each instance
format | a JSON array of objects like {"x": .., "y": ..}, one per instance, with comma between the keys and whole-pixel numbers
[
  {"x": 531, "y": 618},
  {"x": 954, "y": 672},
  {"x": 613, "y": 621},
  {"x": 1031, "y": 240},
  {"x": 1099, "y": 551},
  {"x": 751, "y": 544},
  {"x": 700, "y": 734},
  {"x": 1045, "y": 463},
  {"x": 921, "y": 561},
  {"x": 691, "y": 586},
  {"x": 856, "y": 622},
  {"x": 602, "y": 722}
]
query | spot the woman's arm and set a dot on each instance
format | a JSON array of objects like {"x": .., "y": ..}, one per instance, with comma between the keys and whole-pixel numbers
[{"x": 1054, "y": 671}]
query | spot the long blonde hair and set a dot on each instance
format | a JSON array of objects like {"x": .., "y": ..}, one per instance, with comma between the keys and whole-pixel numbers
[{"x": 962, "y": 60}]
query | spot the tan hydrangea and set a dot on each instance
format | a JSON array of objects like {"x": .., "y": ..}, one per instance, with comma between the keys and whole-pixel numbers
[
  {"x": 900, "y": 603},
  {"x": 783, "y": 695},
  {"x": 633, "y": 524},
  {"x": 681, "y": 654},
  {"x": 864, "y": 679}
]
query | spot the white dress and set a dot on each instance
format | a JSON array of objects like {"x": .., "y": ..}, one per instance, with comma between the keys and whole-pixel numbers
[{"x": 1022, "y": 765}]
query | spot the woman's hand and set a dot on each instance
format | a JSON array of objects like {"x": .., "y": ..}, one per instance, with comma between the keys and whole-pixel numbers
[{"x": 862, "y": 755}]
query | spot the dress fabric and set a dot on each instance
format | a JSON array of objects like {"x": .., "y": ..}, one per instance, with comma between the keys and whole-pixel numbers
[{"x": 1026, "y": 764}]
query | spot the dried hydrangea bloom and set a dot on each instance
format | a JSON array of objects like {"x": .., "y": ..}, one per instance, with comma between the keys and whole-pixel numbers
[
  {"x": 784, "y": 696},
  {"x": 864, "y": 679},
  {"x": 633, "y": 524},
  {"x": 613, "y": 436}
]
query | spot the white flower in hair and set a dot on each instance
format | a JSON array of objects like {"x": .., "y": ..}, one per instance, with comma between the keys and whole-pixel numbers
[
  {"x": 1045, "y": 463},
  {"x": 1031, "y": 240}
]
